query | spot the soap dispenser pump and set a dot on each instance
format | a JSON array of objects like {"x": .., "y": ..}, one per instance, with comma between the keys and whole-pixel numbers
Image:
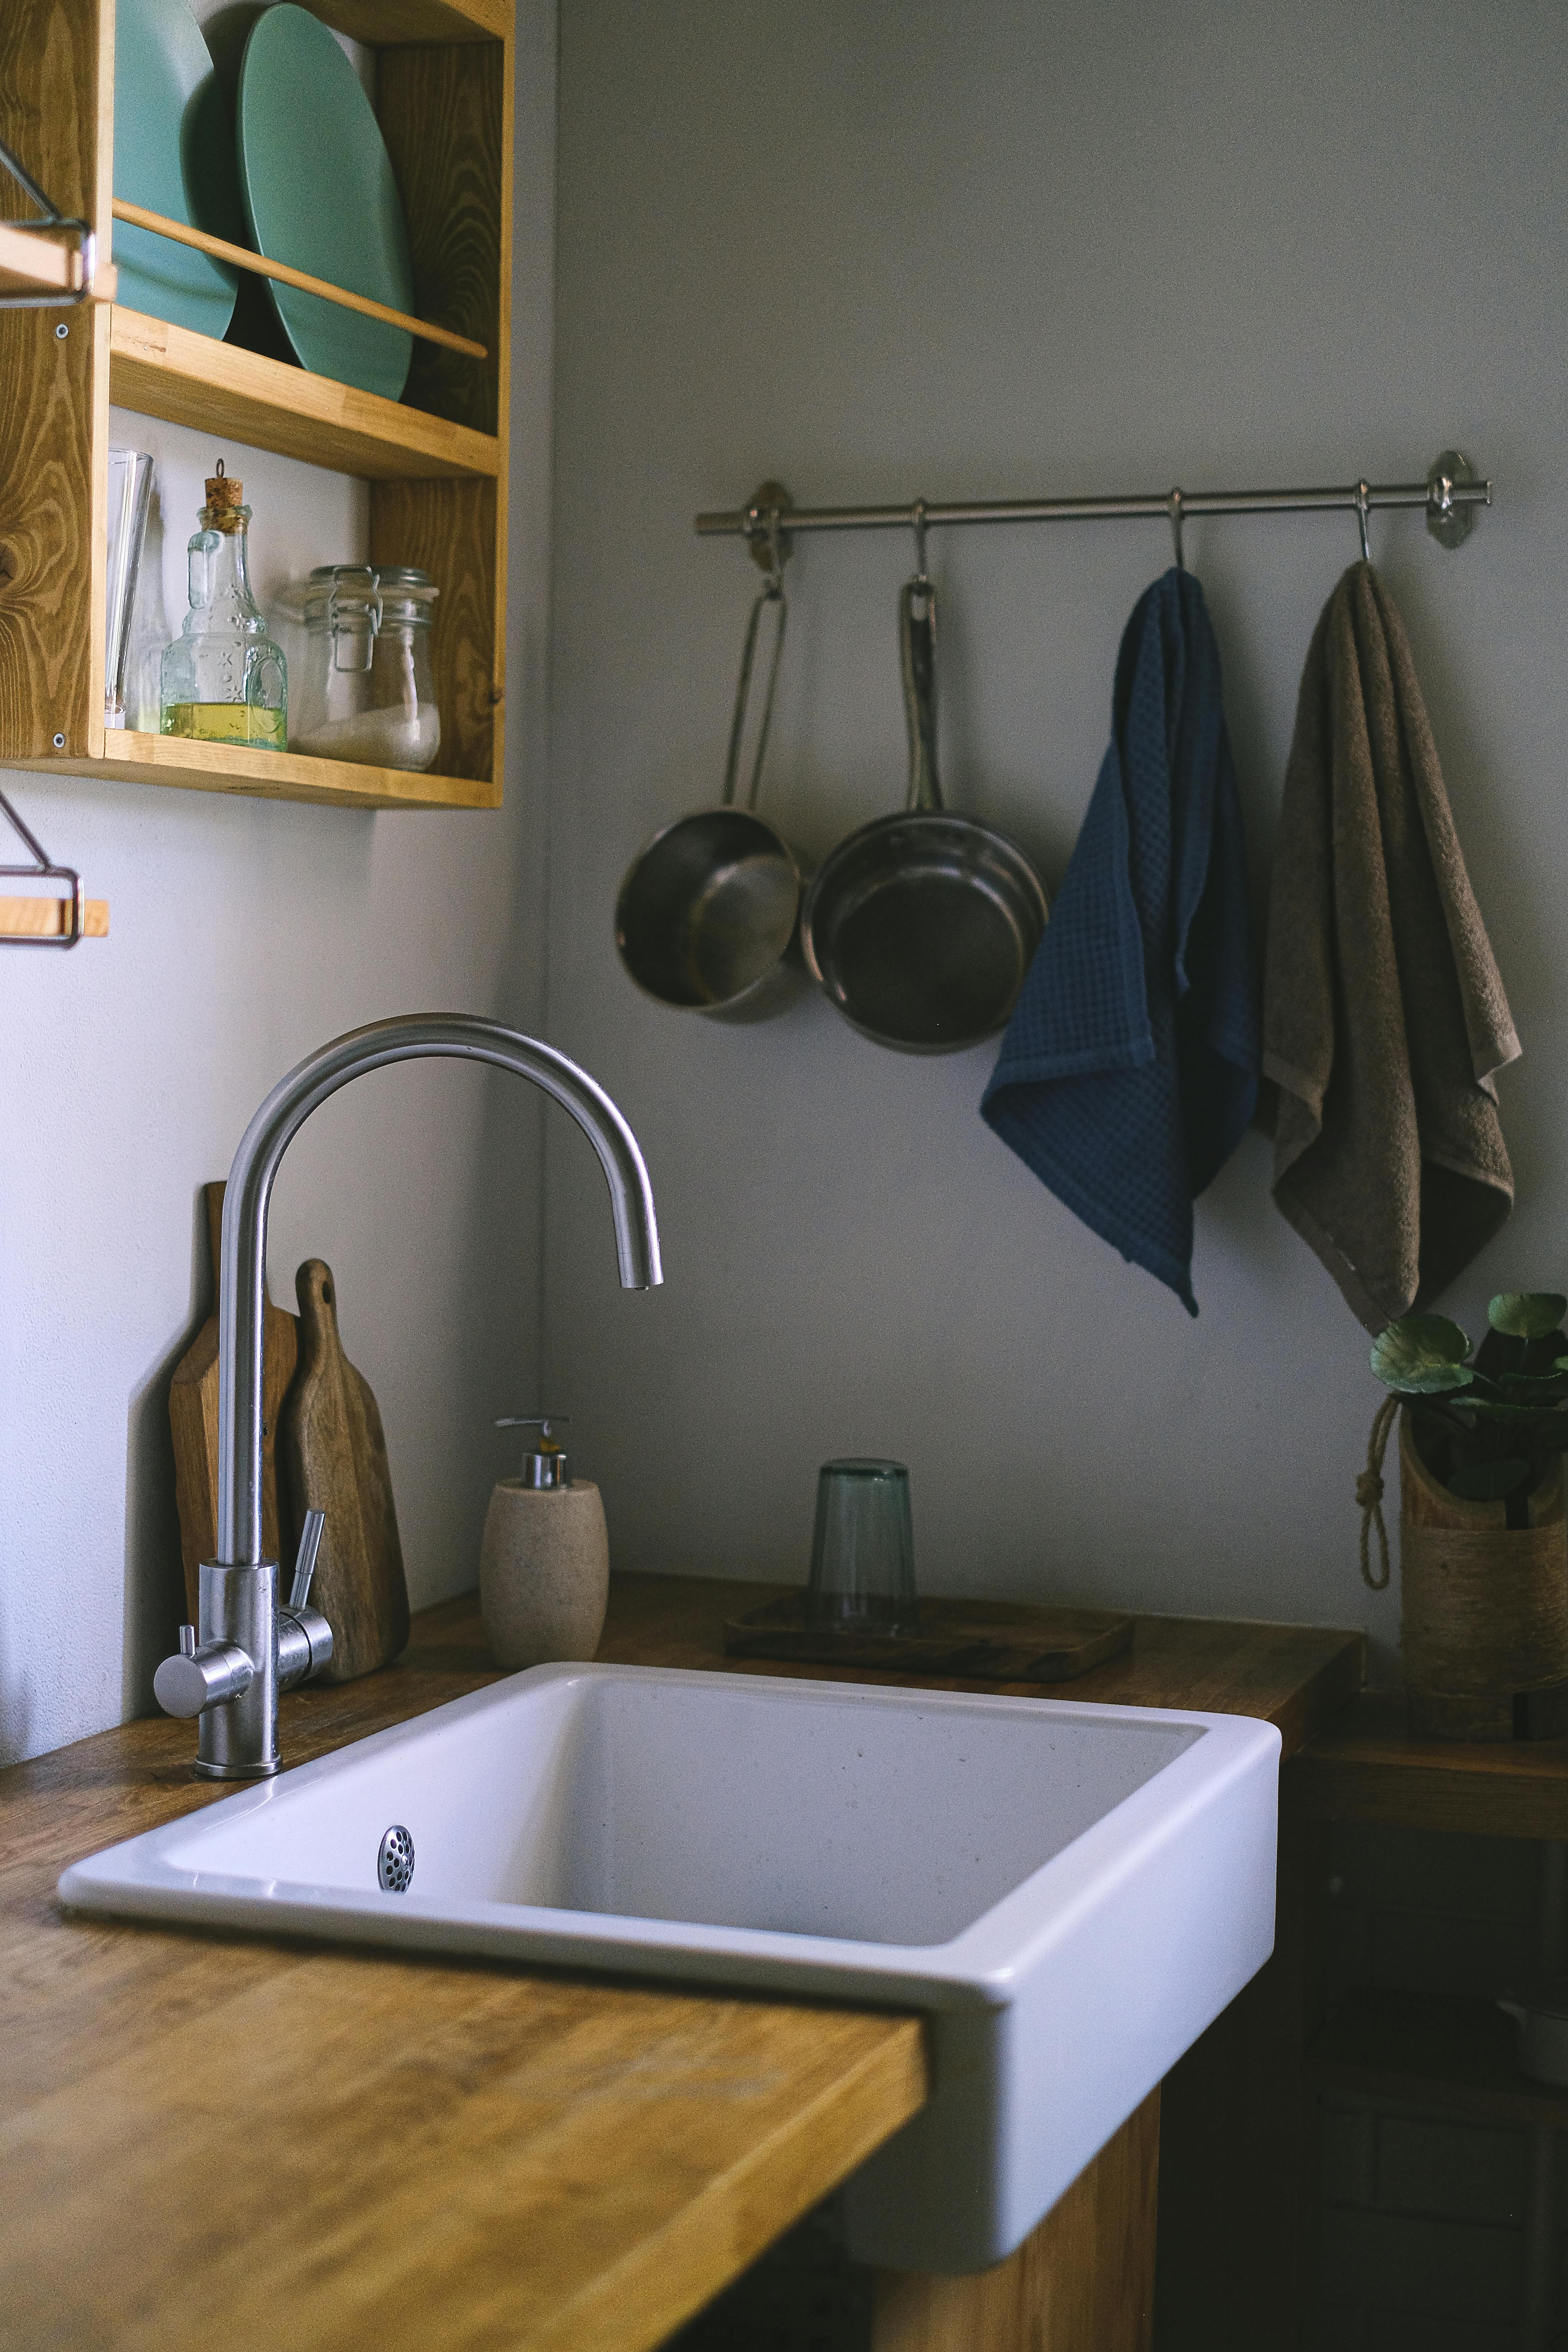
[{"x": 544, "y": 1562}]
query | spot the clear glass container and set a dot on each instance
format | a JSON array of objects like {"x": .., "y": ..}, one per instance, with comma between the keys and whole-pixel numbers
[
  {"x": 224, "y": 680},
  {"x": 863, "y": 1549},
  {"x": 366, "y": 690},
  {"x": 129, "y": 500}
]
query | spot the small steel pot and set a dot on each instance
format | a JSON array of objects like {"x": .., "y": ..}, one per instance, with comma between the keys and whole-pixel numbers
[
  {"x": 1542, "y": 2016},
  {"x": 920, "y": 927},
  {"x": 708, "y": 916}
]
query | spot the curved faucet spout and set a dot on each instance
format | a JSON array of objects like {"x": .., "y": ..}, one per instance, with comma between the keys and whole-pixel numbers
[{"x": 268, "y": 1136}]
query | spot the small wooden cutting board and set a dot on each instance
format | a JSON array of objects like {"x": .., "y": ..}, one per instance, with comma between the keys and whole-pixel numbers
[
  {"x": 333, "y": 1454},
  {"x": 975, "y": 1641},
  {"x": 192, "y": 1419}
]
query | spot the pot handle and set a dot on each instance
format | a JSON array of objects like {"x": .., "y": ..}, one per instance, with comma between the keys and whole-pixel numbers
[
  {"x": 917, "y": 656},
  {"x": 772, "y": 594}
]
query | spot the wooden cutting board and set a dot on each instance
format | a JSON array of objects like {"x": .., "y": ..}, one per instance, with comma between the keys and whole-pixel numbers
[
  {"x": 334, "y": 1460},
  {"x": 973, "y": 1641},
  {"x": 192, "y": 1419}
]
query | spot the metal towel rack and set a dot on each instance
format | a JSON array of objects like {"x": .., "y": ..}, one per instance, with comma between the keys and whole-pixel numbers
[
  {"x": 46, "y": 921},
  {"x": 1450, "y": 495},
  {"x": 46, "y": 277}
]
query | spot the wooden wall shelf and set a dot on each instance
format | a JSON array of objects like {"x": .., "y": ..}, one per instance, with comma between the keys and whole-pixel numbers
[
  {"x": 186, "y": 379},
  {"x": 275, "y": 776},
  {"x": 419, "y": 21},
  {"x": 436, "y": 461},
  {"x": 1432, "y": 2049},
  {"x": 44, "y": 918},
  {"x": 1366, "y": 1767}
]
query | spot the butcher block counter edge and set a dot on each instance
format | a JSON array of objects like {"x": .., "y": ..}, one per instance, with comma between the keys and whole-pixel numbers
[{"x": 394, "y": 2151}]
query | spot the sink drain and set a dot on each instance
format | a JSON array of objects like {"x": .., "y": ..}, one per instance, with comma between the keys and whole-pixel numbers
[{"x": 394, "y": 1863}]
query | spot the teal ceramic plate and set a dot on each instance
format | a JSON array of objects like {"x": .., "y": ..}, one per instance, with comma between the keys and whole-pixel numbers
[
  {"x": 317, "y": 189},
  {"x": 173, "y": 152}
]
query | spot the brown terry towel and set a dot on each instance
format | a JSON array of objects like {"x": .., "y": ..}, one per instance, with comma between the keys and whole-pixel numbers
[{"x": 1384, "y": 1015}]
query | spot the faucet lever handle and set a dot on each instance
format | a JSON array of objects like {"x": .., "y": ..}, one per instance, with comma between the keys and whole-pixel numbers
[{"x": 305, "y": 1564}]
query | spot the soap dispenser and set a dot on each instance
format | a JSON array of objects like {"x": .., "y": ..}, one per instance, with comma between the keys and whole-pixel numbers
[{"x": 545, "y": 1562}]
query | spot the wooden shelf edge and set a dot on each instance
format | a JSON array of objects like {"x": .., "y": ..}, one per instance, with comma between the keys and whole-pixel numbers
[
  {"x": 267, "y": 775},
  {"x": 1431, "y": 2049},
  {"x": 46, "y": 918},
  {"x": 384, "y": 24},
  {"x": 1365, "y": 1766},
  {"x": 158, "y": 370}
]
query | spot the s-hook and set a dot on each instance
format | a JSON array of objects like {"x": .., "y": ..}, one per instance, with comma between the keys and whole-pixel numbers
[
  {"x": 918, "y": 514},
  {"x": 770, "y": 552},
  {"x": 765, "y": 537},
  {"x": 1362, "y": 508},
  {"x": 1174, "y": 504}
]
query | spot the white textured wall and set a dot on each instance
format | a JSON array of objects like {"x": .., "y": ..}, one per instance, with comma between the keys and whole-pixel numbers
[
  {"x": 244, "y": 933},
  {"x": 977, "y": 251}
]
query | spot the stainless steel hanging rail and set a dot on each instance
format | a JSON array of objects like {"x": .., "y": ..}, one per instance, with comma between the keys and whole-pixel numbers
[{"x": 1450, "y": 494}]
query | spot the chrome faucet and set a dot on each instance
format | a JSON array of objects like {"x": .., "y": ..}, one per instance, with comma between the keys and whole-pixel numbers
[{"x": 250, "y": 1647}]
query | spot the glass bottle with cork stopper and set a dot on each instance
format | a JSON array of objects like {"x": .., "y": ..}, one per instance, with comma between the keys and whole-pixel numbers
[{"x": 224, "y": 680}]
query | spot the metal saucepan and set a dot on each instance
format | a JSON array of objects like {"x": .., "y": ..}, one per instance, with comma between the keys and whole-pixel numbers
[
  {"x": 709, "y": 910},
  {"x": 919, "y": 928}
]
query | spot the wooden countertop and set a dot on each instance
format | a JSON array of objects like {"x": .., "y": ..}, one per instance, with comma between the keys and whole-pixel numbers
[
  {"x": 262, "y": 2143},
  {"x": 1298, "y": 1676}
]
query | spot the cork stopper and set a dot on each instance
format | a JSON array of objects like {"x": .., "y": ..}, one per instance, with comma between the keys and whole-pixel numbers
[{"x": 225, "y": 498}]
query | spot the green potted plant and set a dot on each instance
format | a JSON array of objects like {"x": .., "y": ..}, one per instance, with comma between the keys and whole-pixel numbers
[
  {"x": 1489, "y": 1431},
  {"x": 1483, "y": 1546}
]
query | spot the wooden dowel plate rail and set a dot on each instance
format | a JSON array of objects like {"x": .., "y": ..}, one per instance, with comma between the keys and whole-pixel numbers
[{"x": 239, "y": 258}]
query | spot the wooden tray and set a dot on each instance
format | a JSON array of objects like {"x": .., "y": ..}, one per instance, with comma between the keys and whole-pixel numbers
[{"x": 979, "y": 1641}]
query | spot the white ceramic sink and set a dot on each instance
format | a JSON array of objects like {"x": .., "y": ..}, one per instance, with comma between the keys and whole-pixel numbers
[{"x": 1069, "y": 1893}]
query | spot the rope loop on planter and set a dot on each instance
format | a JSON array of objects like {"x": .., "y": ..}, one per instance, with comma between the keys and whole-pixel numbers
[{"x": 1369, "y": 1495}]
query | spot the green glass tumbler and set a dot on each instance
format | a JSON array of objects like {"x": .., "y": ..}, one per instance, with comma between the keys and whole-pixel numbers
[{"x": 863, "y": 1549}]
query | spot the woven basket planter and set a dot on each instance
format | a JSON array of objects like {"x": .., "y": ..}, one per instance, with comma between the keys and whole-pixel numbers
[{"x": 1483, "y": 1606}]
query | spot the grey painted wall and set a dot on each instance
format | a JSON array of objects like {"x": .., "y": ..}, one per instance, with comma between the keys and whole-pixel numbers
[
  {"x": 972, "y": 251},
  {"x": 244, "y": 933}
]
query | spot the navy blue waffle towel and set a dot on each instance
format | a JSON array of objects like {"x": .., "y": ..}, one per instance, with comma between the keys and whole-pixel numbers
[{"x": 1128, "y": 1071}]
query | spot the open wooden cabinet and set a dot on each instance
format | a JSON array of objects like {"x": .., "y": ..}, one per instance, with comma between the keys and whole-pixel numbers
[{"x": 434, "y": 461}]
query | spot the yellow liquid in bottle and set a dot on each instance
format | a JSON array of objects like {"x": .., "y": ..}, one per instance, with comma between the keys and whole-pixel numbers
[{"x": 227, "y": 722}]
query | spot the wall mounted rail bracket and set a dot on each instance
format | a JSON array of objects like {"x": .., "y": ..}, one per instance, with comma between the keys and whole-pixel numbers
[
  {"x": 1451, "y": 518},
  {"x": 49, "y": 922},
  {"x": 769, "y": 542}
]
